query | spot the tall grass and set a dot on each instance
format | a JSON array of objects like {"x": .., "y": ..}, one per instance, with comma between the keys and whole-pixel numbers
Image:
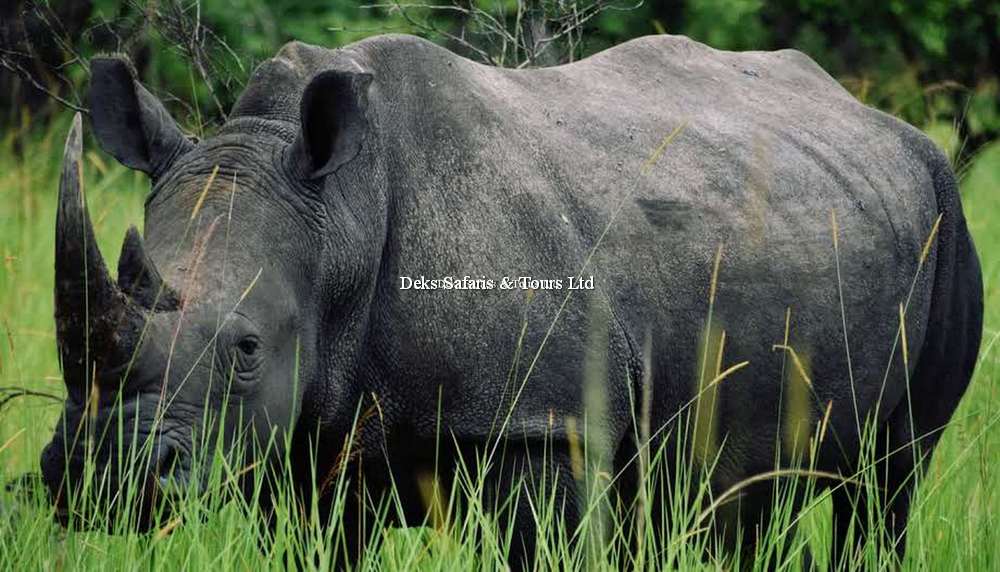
[{"x": 220, "y": 525}]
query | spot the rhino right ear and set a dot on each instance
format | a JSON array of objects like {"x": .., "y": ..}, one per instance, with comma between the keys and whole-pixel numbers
[{"x": 129, "y": 122}]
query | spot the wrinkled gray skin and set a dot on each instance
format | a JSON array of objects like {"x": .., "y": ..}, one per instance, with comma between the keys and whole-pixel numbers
[{"x": 403, "y": 159}]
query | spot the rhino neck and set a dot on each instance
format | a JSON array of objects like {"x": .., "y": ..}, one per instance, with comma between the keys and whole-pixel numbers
[{"x": 348, "y": 294}]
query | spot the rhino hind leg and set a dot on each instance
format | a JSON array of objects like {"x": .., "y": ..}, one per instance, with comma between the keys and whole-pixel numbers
[
  {"x": 899, "y": 469},
  {"x": 902, "y": 453},
  {"x": 943, "y": 371}
]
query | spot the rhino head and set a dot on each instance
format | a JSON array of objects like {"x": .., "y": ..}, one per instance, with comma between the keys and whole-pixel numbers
[{"x": 213, "y": 331}]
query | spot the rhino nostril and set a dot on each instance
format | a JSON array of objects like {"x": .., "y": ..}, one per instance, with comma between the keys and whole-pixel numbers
[
  {"x": 169, "y": 471},
  {"x": 171, "y": 486},
  {"x": 166, "y": 458},
  {"x": 169, "y": 462}
]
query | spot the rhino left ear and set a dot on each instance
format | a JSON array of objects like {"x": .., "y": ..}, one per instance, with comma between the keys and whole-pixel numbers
[{"x": 333, "y": 123}]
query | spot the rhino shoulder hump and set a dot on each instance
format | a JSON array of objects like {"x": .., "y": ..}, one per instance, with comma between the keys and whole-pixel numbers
[{"x": 807, "y": 67}]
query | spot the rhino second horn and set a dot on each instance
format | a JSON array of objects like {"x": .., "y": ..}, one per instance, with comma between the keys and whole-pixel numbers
[
  {"x": 139, "y": 278},
  {"x": 88, "y": 305}
]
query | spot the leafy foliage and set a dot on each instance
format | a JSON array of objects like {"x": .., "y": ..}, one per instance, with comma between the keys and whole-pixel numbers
[{"x": 927, "y": 62}]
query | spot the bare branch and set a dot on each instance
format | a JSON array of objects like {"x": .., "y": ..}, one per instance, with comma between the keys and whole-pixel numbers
[
  {"x": 15, "y": 67},
  {"x": 533, "y": 33},
  {"x": 8, "y": 394}
]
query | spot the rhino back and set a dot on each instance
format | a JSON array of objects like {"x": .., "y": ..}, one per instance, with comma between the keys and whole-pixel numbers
[{"x": 522, "y": 173}]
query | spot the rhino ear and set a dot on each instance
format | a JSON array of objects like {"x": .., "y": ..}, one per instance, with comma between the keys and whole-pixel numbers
[
  {"x": 333, "y": 122},
  {"x": 129, "y": 122}
]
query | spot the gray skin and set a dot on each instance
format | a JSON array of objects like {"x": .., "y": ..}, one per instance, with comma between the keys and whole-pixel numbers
[{"x": 393, "y": 157}]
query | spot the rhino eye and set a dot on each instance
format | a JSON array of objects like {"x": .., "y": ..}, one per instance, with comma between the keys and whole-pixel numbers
[
  {"x": 248, "y": 346},
  {"x": 247, "y": 357}
]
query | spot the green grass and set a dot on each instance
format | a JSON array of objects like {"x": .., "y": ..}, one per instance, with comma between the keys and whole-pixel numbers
[{"x": 953, "y": 527}]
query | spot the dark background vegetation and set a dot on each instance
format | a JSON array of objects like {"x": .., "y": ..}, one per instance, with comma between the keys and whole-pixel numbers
[{"x": 933, "y": 63}]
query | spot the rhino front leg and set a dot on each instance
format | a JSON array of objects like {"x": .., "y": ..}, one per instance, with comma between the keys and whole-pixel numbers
[{"x": 524, "y": 479}]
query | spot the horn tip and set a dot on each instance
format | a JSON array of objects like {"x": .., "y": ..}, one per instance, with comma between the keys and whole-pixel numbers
[
  {"x": 132, "y": 234},
  {"x": 74, "y": 139}
]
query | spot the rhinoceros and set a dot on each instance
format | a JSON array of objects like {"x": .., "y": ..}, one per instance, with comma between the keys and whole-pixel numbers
[{"x": 389, "y": 226}]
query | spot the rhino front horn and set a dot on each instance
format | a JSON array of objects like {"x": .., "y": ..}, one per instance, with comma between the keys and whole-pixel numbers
[{"x": 88, "y": 305}]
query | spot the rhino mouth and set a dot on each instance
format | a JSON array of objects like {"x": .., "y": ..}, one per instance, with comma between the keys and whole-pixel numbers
[{"x": 142, "y": 486}]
